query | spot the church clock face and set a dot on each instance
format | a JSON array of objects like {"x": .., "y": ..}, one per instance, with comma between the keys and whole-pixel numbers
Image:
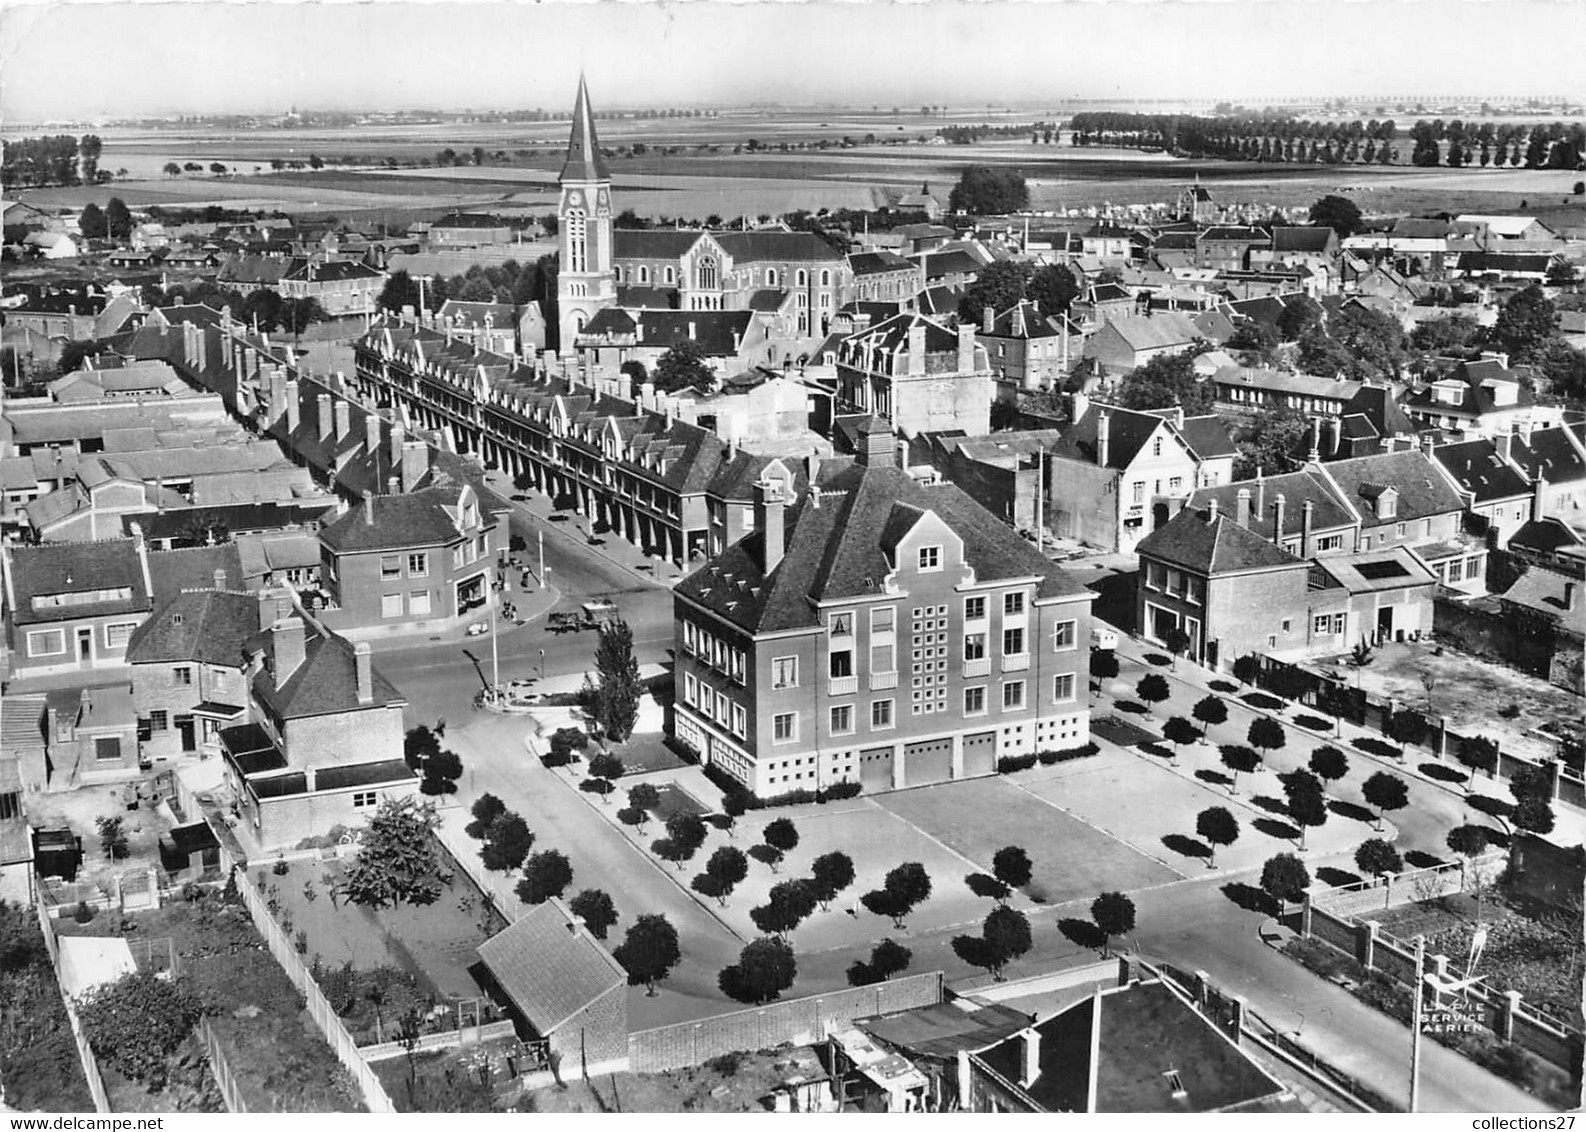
[
  {"x": 603, "y": 202},
  {"x": 575, "y": 198}
]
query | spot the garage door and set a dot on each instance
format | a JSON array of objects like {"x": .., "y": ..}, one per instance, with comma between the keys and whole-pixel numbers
[
  {"x": 875, "y": 769},
  {"x": 980, "y": 754},
  {"x": 928, "y": 762}
]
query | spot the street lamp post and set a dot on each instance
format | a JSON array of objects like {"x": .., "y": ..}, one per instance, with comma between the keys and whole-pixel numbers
[
  {"x": 542, "y": 558},
  {"x": 542, "y": 664}
]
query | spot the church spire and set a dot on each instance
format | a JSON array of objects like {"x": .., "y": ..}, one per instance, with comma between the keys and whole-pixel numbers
[{"x": 584, "y": 162}]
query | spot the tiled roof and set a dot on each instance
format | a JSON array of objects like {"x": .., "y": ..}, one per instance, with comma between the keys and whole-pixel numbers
[
  {"x": 1163, "y": 330},
  {"x": 1501, "y": 262},
  {"x": 776, "y": 247},
  {"x": 1212, "y": 546},
  {"x": 471, "y": 315},
  {"x": 893, "y": 335},
  {"x": 333, "y": 272},
  {"x": 193, "y": 568},
  {"x": 1299, "y": 238},
  {"x": 1297, "y": 489},
  {"x": 834, "y": 550},
  {"x": 419, "y": 518},
  {"x": 652, "y": 243},
  {"x": 1550, "y": 454},
  {"x": 549, "y": 965},
  {"x": 1022, "y": 320},
  {"x": 1277, "y": 381},
  {"x": 1127, "y": 433},
  {"x": 326, "y": 682},
  {"x": 1227, "y": 234},
  {"x": 875, "y": 263},
  {"x": 1480, "y": 470},
  {"x": 39, "y": 572},
  {"x": 939, "y": 265},
  {"x": 210, "y": 626},
  {"x": 767, "y": 300},
  {"x": 647, "y": 298},
  {"x": 1544, "y": 536},
  {"x": 717, "y": 333},
  {"x": 1549, "y": 593},
  {"x": 1423, "y": 492}
]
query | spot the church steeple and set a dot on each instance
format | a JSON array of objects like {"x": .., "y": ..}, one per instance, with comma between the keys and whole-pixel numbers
[{"x": 584, "y": 162}]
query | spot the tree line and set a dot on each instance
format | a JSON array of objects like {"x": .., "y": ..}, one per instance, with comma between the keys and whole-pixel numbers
[
  {"x": 1256, "y": 137},
  {"x": 57, "y": 159}
]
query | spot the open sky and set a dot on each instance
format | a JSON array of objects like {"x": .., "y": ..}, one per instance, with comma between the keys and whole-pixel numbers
[{"x": 92, "y": 60}]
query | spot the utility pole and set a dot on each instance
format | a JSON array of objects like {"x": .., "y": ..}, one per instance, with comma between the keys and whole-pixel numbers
[
  {"x": 1415, "y": 1022},
  {"x": 495, "y": 655},
  {"x": 541, "y": 535}
]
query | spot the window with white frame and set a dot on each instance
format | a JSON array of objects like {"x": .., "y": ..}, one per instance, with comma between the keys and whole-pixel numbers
[
  {"x": 880, "y": 715},
  {"x": 419, "y": 603},
  {"x": 1328, "y": 624},
  {"x": 390, "y": 605},
  {"x": 1013, "y": 642},
  {"x": 690, "y": 688},
  {"x": 785, "y": 672},
  {"x": 182, "y": 675},
  {"x": 117, "y": 634},
  {"x": 1330, "y": 542},
  {"x": 419, "y": 564},
  {"x": 390, "y": 566},
  {"x": 784, "y": 727},
  {"x": 974, "y": 646},
  {"x": 723, "y": 707},
  {"x": 1013, "y": 695},
  {"x": 930, "y": 558},
  {"x": 975, "y": 700},
  {"x": 1063, "y": 636},
  {"x": 1063, "y": 688},
  {"x": 365, "y": 799},
  {"x": 740, "y": 723},
  {"x": 975, "y": 608},
  {"x": 843, "y": 719},
  {"x": 1013, "y": 603}
]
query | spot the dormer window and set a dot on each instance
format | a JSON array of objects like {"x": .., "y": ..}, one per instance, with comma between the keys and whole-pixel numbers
[{"x": 930, "y": 558}]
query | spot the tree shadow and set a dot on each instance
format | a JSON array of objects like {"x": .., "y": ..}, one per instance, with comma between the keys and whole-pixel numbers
[
  {"x": 1132, "y": 707},
  {"x": 1158, "y": 750},
  {"x": 1497, "y": 838},
  {"x": 1420, "y": 859},
  {"x": 1251, "y": 898},
  {"x": 766, "y": 855},
  {"x": 1082, "y": 933},
  {"x": 1270, "y": 804},
  {"x": 1492, "y": 807},
  {"x": 1441, "y": 772},
  {"x": 1187, "y": 846},
  {"x": 1157, "y": 659},
  {"x": 720, "y": 821},
  {"x": 984, "y": 884},
  {"x": 1223, "y": 687},
  {"x": 1352, "y": 810},
  {"x": 1214, "y": 777},
  {"x": 1376, "y": 747},
  {"x": 1263, "y": 701},
  {"x": 1336, "y": 877},
  {"x": 972, "y": 949},
  {"x": 1313, "y": 723},
  {"x": 1274, "y": 828}
]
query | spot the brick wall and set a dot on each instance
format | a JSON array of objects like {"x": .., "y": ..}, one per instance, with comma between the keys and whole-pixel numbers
[
  {"x": 345, "y": 737},
  {"x": 800, "y": 1021}
]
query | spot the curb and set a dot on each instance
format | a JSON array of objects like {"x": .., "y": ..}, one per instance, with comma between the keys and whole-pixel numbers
[{"x": 543, "y": 522}]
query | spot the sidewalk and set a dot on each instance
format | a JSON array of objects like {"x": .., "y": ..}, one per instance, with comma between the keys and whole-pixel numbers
[
  {"x": 575, "y": 531},
  {"x": 1570, "y": 824}
]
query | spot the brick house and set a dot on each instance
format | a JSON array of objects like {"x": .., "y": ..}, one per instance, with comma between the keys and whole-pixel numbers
[
  {"x": 918, "y": 374},
  {"x": 1493, "y": 489},
  {"x": 1117, "y": 473},
  {"x": 323, "y": 744},
  {"x": 793, "y": 645},
  {"x": 1026, "y": 350},
  {"x": 426, "y": 558},
  {"x": 342, "y": 287},
  {"x": 1403, "y": 499},
  {"x": 884, "y": 277},
  {"x": 1127, "y": 341},
  {"x": 1554, "y": 461},
  {"x": 73, "y": 606},
  {"x": 188, "y": 663},
  {"x": 561, "y": 984}
]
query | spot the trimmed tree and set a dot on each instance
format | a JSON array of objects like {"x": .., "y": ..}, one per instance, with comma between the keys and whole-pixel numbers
[
  {"x": 1177, "y": 642},
  {"x": 486, "y": 809},
  {"x": 1386, "y": 793},
  {"x": 507, "y": 843},
  {"x": 1376, "y": 856},
  {"x": 1265, "y": 734},
  {"x": 685, "y": 833},
  {"x": 1469, "y": 841},
  {"x": 546, "y": 874},
  {"x": 904, "y": 889},
  {"x": 1218, "y": 828},
  {"x": 1406, "y": 727},
  {"x": 724, "y": 872},
  {"x": 1210, "y": 711},
  {"x": 643, "y": 798},
  {"x": 1308, "y": 810},
  {"x": 398, "y": 861},
  {"x": 1011, "y": 865},
  {"x": 1533, "y": 815},
  {"x": 1285, "y": 878},
  {"x": 887, "y": 958},
  {"x": 1239, "y": 759},
  {"x": 782, "y": 835},
  {"x": 649, "y": 951},
  {"x": 830, "y": 874},
  {"x": 734, "y": 804},
  {"x": 617, "y": 686},
  {"x": 787, "y": 906},
  {"x": 1114, "y": 915},
  {"x": 1479, "y": 753},
  {"x": 606, "y": 769},
  {"x": 1153, "y": 688},
  {"x": 1329, "y": 764},
  {"x": 1007, "y": 936},
  {"x": 765, "y": 968},
  {"x": 597, "y": 911},
  {"x": 1179, "y": 731}
]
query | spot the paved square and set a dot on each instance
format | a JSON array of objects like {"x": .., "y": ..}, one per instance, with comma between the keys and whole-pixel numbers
[{"x": 1072, "y": 860}]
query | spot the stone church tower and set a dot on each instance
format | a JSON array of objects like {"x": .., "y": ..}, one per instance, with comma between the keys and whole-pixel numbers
[{"x": 585, "y": 282}]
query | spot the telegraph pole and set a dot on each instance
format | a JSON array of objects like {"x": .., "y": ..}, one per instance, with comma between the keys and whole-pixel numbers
[
  {"x": 541, "y": 535},
  {"x": 1415, "y": 1022}
]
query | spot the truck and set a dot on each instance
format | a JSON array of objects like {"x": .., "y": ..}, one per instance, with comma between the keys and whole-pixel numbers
[{"x": 591, "y": 615}]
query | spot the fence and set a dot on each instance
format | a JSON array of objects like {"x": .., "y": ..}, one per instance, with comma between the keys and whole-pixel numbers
[
  {"x": 799, "y": 1021},
  {"x": 220, "y": 1068},
  {"x": 445, "y": 1040},
  {"x": 1403, "y": 888},
  {"x": 1340, "y": 700},
  {"x": 85, "y": 1053},
  {"x": 1504, "y": 1013},
  {"x": 374, "y": 1094}
]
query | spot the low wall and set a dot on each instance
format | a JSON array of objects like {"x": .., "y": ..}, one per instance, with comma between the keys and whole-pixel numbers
[
  {"x": 799, "y": 1021},
  {"x": 450, "y": 1038}
]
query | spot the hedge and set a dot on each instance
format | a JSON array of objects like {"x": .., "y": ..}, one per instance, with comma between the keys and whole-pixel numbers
[
  {"x": 1010, "y": 763},
  {"x": 836, "y": 792}
]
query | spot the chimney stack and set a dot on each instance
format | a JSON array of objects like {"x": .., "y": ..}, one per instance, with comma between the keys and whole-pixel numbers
[
  {"x": 361, "y": 661},
  {"x": 916, "y": 359},
  {"x": 876, "y": 450},
  {"x": 988, "y": 319},
  {"x": 290, "y": 648},
  {"x": 1242, "y": 507},
  {"x": 343, "y": 413},
  {"x": 1539, "y": 499},
  {"x": 1335, "y": 437},
  {"x": 1103, "y": 438},
  {"x": 1030, "y": 1062},
  {"x": 415, "y": 462},
  {"x": 1315, "y": 454},
  {"x": 371, "y": 434},
  {"x": 1211, "y": 509},
  {"x": 326, "y": 422},
  {"x": 966, "y": 349},
  {"x": 294, "y": 407},
  {"x": 1307, "y": 519},
  {"x": 1261, "y": 491},
  {"x": 220, "y": 577},
  {"x": 770, "y": 519},
  {"x": 368, "y": 509},
  {"x": 1277, "y": 519},
  {"x": 1429, "y": 439},
  {"x": 1505, "y": 444}
]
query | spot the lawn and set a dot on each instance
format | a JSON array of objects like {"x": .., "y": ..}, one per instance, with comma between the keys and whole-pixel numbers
[
  {"x": 281, "y": 1062},
  {"x": 38, "y": 1057},
  {"x": 1072, "y": 860}
]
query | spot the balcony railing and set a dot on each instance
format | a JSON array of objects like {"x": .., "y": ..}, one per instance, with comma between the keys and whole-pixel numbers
[
  {"x": 1016, "y": 663},
  {"x": 981, "y": 667},
  {"x": 843, "y": 685},
  {"x": 881, "y": 680}
]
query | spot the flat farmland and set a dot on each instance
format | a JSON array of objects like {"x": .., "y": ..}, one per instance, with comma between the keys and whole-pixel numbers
[{"x": 1072, "y": 860}]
